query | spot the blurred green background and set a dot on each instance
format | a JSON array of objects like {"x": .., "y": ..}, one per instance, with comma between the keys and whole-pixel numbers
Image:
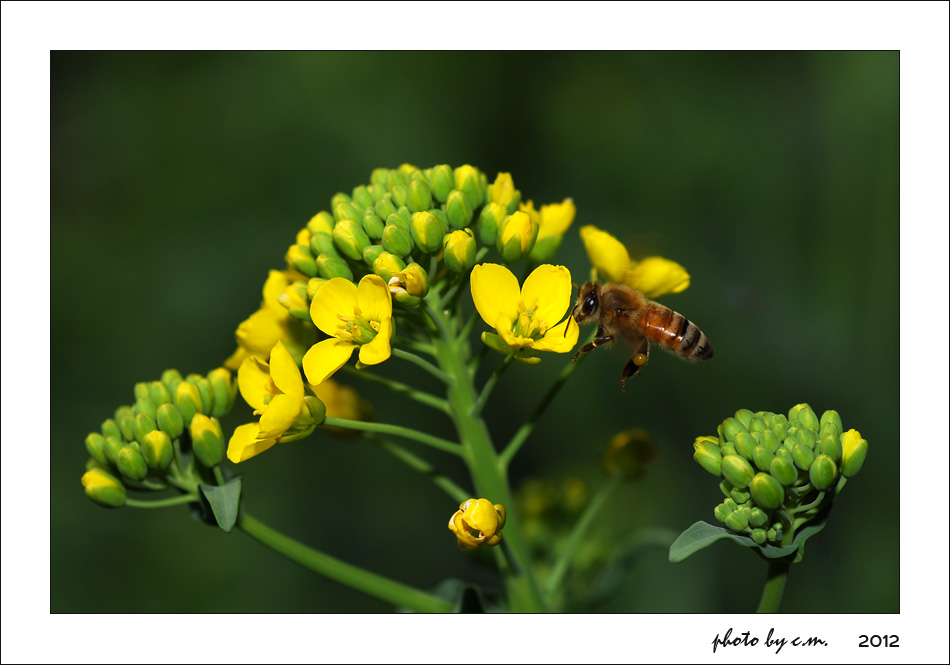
[{"x": 179, "y": 179}]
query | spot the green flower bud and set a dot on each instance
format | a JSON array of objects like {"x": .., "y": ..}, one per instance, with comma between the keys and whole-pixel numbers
[
  {"x": 144, "y": 424},
  {"x": 385, "y": 207},
  {"x": 458, "y": 209},
  {"x": 774, "y": 535},
  {"x": 398, "y": 176},
  {"x": 316, "y": 408},
  {"x": 721, "y": 512},
  {"x": 403, "y": 212},
  {"x": 95, "y": 445},
  {"x": 223, "y": 389},
  {"x": 206, "y": 440},
  {"x": 333, "y": 266},
  {"x": 804, "y": 414},
  {"x": 418, "y": 196},
  {"x": 759, "y": 517},
  {"x": 737, "y": 471},
  {"x": 759, "y": 536},
  {"x": 769, "y": 440},
  {"x": 737, "y": 521},
  {"x": 378, "y": 192},
  {"x": 784, "y": 470},
  {"x": 322, "y": 222},
  {"x": 371, "y": 253},
  {"x": 707, "y": 455},
  {"x": 728, "y": 449},
  {"x": 103, "y": 488},
  {"x": 346, "y": 210},
  {"x": 400, "y": 194},
  {"x": 295, "y": 299},
  {"x": 373, "y": 226},
  {"x": 157, "y": 450},
  {"x": 426, "y": 231},
  {"x": 731, "y": 427},
  {"x": 762, "y": 457},
  {"x": 830, "y": 445},
  {"x": 170, "y": 420},
  {"x": 854, "y": 450},
  {"x": 204, "y": 390},
  {"x": 322, "y": 243},
  {"x": 823, "y": 473},
  {"x": 110, "y": 428},
  {"x": 362, "y": 197},
  {"x": 111, "y": 447},
  {"x": 443, "y": 182},
  {"x": 144, "y": 405},
  {"x": 745, "y": 416},
  {"x": 739, "y": 496},
  {"x": 300, "y": 258},
  {"x": 725, "y": 486},
  {"x": 459, "y": 251},
  {"x": 380, "y": 176},
  {"x": 807, "y": 437},
  {"x": 350, "y": 238},
  {"x": 443, "y": 220},
  {"x": 767, "y": 492},
  {"x": 780, "y": 426},
  {"x": 803, "y": 456},
  {"x": 489, "y": 221},
  {"x": 516, "y": 236},
  {"x": 131, "y": 463},
  {"x": 745, "y": 444},
  {"x": 397, "y": 240},
  {"x": 469, "y": 180},
  {"x": 188, "y": 400},
  {"x": 757, "y": 425},
  {"x": 158, "y": 393},
  {"x": 386, "y": 265},
  {"x": 831, "y": 417},
  {"x": 731, "y": 505},
  {"x": 125, "y": 418},
  {"x": 171, "y": 378}
]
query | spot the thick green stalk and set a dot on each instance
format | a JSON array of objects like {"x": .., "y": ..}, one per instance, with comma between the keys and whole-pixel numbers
[
  {"x": 774, "y": 587},
  {"x": 487, "y": 470},
  {"x": 369, "y": 583}
]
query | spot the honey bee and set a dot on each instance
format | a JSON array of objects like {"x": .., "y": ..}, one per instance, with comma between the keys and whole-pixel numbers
[{"x": 622, "y": 312}]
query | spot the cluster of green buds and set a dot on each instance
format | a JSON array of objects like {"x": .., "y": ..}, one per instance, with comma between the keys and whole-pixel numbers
[
  {"x": 408, "y": 222},
  {"x": 779, "y": 471},
  {"x": 170, "y": 437}
]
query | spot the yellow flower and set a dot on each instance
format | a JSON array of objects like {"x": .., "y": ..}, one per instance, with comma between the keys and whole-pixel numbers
[
  {"x": 525, "y": 319},
  {"x": 354, "y": 317},
  {"x": 553, "y": 220},
  {"x": 258, "y": 334},
  {"x": 478, "y": 522},
  {"x": 654, "y": 276},
  {"x": 276, "y": 393}
]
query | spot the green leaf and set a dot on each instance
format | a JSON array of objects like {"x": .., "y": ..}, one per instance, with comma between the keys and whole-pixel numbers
[
  {"x": 223, "y": 502},
  {"x": 701, "y": 535}
]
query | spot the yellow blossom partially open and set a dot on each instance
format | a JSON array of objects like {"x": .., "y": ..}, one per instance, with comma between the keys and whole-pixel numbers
[
  {"x": 478, "y": 522},
  {"x": 653, "y": 276},
  {"x": 355, "y": 317},
  {"x": 553, "y": 221},
  {"x": 525, "y": 319}
]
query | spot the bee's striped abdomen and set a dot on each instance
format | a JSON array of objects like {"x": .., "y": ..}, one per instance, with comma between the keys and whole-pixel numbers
[{"x": 675, "y": 333}]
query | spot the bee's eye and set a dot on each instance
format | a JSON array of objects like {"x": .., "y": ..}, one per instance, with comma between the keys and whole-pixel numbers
[{"x": 590, "y": 303}]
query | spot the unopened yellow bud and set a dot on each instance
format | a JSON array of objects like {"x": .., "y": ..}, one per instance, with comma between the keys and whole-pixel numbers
[
  {"x": 207, "y": 440},
  {"x": 469, "y": 180},
  {"x": 103, "y": 488},
  {"x": 854, "y": 450},
  {"x": 322, "y": 222},
  {"x": 516, "y": 236},
  {"x": 478, "y": 522},
  {"x": 459, "y": 251}
]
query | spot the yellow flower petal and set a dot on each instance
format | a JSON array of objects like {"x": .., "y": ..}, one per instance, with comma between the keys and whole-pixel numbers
[
  {"x": 337, "y": 296},
  {"x": 277, "y": 282},
  {"x": 606, "y": 253},
  {"x": 284, "y": 371},
  {"x": 548, "y": 290},
  {"x": 556, "y": 218},
  {"x": 379, "y": 349},
  {"x": 325, "y": 358},
  {"x": 244, "y": 443},
  {"x": 279, "y": 415},
  {"x": 373, "y": 298},
  {"x": 655, "y": 276},
  {"x": 261, "y": 330},
  {"x": 254, "y": 382},
  {"x": 495, "y": 292},
  {"x": 556, "y": 340}
]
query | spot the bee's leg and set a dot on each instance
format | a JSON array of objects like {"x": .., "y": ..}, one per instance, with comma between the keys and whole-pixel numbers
[
  {"x": 599, "y": 340},
  {"x": 641, "y": 354}
]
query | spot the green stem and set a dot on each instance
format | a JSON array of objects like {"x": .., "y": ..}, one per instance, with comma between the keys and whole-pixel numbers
[
  {"x": 162, "y": 503},
  {"x": 525, "y": 430},
  {"x": 421, "y": 362},
  {"x": 397, "y": 430},
  {"x": 375, "y": 585},
  {"x": 488, "y": 473},
  {"x": 422, "y": 466},
  {"x": 420, "y": 396},
  {"x": 579, "y": 532},
  {"x": 774, "y": 586},
  {"x": 421, "y": 347},
  {"x": 489, "y": 384}
]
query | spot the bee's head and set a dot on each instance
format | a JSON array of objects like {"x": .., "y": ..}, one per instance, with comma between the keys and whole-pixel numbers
[{"x": 588, "y": 302}]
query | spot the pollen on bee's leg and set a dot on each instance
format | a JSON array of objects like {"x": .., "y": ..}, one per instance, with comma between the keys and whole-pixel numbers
[{"x": 639, "y": 359}]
